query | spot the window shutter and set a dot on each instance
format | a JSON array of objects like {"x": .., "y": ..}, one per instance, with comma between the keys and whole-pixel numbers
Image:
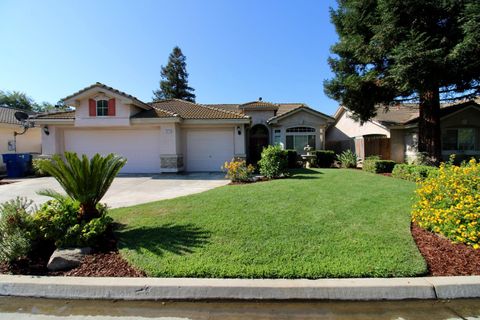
[
  {"x": 92, "y": 107},
  {"x": 111, "y": 107}
]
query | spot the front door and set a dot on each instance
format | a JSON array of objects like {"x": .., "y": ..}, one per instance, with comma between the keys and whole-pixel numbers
[{"x": 258, "y": 140}]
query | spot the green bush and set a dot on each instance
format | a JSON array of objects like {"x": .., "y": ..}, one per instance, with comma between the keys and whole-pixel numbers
[
  {"x": 412, "y": 172},
  {"x": 57, "y": 221},
  {"x": 292, "y": 159},
  {"x": 37, "y": 167},
  {"x": 375, "y": 165},
  {"x": 325, "y": 158},
  {"x": 347, "y": 159},
  {"x": 15, "y": 229},
  {"x": 273, "y": 162}
]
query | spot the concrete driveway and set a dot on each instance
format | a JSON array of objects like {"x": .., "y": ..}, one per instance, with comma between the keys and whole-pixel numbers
[{"x": 126, "y": 190}]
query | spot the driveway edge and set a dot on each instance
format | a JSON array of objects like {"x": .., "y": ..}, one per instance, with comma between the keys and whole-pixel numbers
[{"x": 240, "y": 289}]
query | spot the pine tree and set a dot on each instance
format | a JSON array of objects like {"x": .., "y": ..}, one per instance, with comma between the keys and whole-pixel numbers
[
  {"x": 392, "y": 51},
  {"x": 174, "y": 83}
]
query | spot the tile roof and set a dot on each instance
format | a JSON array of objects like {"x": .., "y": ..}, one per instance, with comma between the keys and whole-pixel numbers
[
  {"x": 153, "y": 113},
  {"x": 57, "y": 115},
  {"x": 104, "y": 86},
  {"x": 190, "y": 110},
  {"x": 259, "y": 105},
  {"x": 7, "y": 115}
]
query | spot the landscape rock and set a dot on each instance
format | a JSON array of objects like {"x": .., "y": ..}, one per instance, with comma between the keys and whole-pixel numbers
[{"x": 67, "y": 259}]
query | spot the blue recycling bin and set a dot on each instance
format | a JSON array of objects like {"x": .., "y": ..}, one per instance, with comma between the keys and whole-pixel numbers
[{"x": 18, "y": 164}]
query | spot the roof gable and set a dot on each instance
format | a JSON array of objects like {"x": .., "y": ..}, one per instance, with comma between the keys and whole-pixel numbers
[
  {"x": 100, "y": 87},
  {"x": 299, "y": 109}
]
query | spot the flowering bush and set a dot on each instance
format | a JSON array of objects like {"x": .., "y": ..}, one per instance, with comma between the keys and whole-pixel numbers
[
  {"x": 237, "y": 170},
  {"x": 449, "y": 203}
]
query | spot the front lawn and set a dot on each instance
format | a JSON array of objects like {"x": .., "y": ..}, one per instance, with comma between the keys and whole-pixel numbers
[{"x": 319, "y": 223}]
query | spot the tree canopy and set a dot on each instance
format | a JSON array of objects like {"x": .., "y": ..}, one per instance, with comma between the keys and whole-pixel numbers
[
  {"x": 174, "y": 83},
  {"x": 21, "y": 101},
  {"x": 392, "y": 51}
]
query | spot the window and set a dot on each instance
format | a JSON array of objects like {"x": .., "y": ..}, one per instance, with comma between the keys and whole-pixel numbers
[
  {"x": 277, "y": 137},
  {"x": 298, "y": 142},
  {"x": 102, "y": 108},
  {"x": 300, "y": 129},
  {"x": 459, "y": 139}
]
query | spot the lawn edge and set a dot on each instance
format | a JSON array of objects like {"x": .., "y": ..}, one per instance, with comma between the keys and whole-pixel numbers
[{"x": 240, "y": 289}]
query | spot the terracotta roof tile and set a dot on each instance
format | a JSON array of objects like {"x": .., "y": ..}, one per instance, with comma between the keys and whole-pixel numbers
[
  {"x": 57, "y": 115},
  {"x": 190, "y": 110},
  {"x": 7, "y": 115},
  {"x": 153, "y": 113},
  {"x": 104, "y": 86}
]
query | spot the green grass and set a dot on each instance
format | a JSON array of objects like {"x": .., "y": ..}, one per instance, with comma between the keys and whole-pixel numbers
[{"x": 317, "y": 224}]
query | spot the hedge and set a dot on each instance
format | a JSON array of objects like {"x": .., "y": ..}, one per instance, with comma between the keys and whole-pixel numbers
[
  {"x": 292, "y": 159},
  {"x": 325, "y": 158},
  {"x": 412, "y": 172},
  {"x": 378, "y": 166}
]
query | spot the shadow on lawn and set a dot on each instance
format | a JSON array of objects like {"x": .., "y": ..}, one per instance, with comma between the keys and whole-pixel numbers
[
  {"x": 175, "y": 238},
  {"x": 304, "y": 173}
]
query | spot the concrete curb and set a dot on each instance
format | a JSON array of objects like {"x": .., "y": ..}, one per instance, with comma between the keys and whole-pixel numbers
[{"x": 240, "y": 289}]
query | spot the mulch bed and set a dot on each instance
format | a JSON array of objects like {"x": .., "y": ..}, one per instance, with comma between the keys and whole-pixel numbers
[
  {"x": 445, "y": 258},
  {"x": 105, "y": 261}
]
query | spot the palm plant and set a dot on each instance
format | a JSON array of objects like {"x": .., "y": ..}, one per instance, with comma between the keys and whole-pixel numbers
[{"x": 84, "y": 180}]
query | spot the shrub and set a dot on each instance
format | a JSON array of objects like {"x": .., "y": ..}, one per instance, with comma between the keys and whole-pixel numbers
[
  {"x": 375, "y": 165},
  {"x": 412, "y": 172},
  {"x": 15, "y": 229},
  {"x": 237, "y": 170},
  {"x": 347, "y": 159},
  {"x": 273, "y": 162},
  {"x": 84, "y": 180},
  {"x": 325, "y": 158},
  {"x": 292, "y": 159},
  {"x": 449, "y": 203},
  {"x": 57, "y": 221},
  {"x": 37, "y": 167}
]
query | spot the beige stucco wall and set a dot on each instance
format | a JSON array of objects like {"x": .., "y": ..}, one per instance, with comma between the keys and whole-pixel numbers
[
  {"x": 347, "y": 128},
  {"x": 303, "y": 119},
  {"x": 123, "y": 111},
  {"x": 30, "y": 142},
  {"x": 259, "y": 117}
]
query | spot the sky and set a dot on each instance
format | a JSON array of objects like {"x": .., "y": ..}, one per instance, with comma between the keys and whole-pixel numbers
[{"x": 237, "y": 51}]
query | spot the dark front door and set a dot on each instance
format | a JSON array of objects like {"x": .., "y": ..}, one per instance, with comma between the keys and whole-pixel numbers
[{"x": 257, "y": 141}]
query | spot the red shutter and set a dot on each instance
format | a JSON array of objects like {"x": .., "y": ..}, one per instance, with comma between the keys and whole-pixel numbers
[
  {"x": 92, "y": 107},
  {"x": 111, "y": 107}
]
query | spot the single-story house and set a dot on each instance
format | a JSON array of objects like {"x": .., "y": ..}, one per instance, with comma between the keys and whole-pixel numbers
[
  {"x": 175, "y": 135},
  {"x": 459, "y": 125},
  {"x": 29, "y": 142}
]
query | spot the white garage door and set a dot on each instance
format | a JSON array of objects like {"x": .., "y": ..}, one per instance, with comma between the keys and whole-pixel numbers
[
  {"x": 207, "y": 150},
  {"x": 140, "y": 147}
]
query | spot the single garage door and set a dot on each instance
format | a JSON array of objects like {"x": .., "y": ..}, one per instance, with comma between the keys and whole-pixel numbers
[
  {"x": 140, "y": 147},
  {"x": 207, "y": 150}
]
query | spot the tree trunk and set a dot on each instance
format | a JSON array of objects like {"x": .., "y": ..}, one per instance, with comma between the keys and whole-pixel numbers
[
  {"x": 429, "y": 124},
  {"x": 88, "y": 212}
]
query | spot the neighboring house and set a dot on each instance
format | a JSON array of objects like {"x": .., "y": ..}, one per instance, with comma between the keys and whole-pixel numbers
[
  {"x": 175, "y": 135},
  {"x": 459, "y": 123},
  {"x": 29, "y": 142}
]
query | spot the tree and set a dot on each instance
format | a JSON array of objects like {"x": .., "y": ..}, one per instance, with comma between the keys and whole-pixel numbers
[
  {"x": 84, "y": 180},
  {"x": 392, "y": 51},
  {"x": 20, "y": 100},
  {"x": 16, "y": 99},
  {"x": 174, "y": 83}
]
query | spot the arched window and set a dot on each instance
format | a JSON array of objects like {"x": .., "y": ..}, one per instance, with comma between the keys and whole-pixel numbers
[
  {"x": 301, "y": 129},
  {"x": 299, "y": 137},
  {"x": 102, "y": 108}
]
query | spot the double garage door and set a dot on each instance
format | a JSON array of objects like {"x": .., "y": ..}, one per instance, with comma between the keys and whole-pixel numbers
[{"x": 204, "y": 150}]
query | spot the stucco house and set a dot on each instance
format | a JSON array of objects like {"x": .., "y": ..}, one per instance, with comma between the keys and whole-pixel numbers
[
  {"x": 459, "y": 123},
  {"x": 175, "y": 135},
  {"x": 29, "y": 142}
]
